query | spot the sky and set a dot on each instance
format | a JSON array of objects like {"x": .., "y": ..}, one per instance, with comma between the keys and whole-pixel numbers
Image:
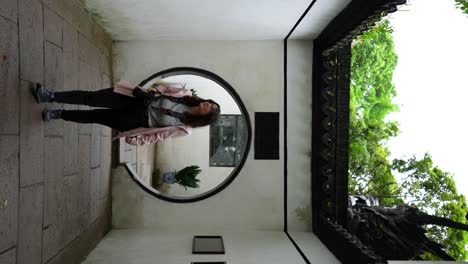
[{"x": 431, "y": 79}]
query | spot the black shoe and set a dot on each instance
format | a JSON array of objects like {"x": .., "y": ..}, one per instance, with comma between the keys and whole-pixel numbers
[
  {"x": 41, "y": 94},
  {"x": 48, "y": 115}
]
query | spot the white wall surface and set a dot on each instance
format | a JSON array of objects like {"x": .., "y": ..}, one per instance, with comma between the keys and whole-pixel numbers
[
  {"x": 299, "y": 89},
  {"x": 254, "y": 200},
  {"x": 175, "y": 247},
  {"x": 314, "y": 250},
  {"x": 318, "y": 17},
  {"x": 197, "y": 20},
  {"x": 252, "y": 209}
]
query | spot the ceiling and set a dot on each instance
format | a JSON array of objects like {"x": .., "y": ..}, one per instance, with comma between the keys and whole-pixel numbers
[{"x": 212, "y": 19}]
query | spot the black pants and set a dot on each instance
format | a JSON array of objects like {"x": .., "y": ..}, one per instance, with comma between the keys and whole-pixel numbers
[{"x": 124, "y": 113}]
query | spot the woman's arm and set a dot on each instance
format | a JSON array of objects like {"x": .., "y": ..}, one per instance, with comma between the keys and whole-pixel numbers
[
  {"x": 172, "y": 91},
  {"x": 150, "y": 93},
  {"x": 155, "y": 137},
  {"x": 140, "y": 93}
]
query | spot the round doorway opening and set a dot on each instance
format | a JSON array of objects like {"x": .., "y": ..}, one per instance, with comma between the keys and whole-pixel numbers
[{"x": 197, "y": 166}]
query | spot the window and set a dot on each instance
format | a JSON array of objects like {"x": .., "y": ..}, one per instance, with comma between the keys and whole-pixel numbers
[
  {"x": 208, "y": 245},
  {"x": 226, "y": 137},
  {"x": 331, "y": 81}
]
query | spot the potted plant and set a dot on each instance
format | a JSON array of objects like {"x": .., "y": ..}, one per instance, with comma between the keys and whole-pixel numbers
[{"x": 185, "y": 177}]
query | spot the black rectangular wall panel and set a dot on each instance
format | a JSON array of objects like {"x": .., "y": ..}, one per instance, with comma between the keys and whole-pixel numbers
[{"x": 266, "y": 135}]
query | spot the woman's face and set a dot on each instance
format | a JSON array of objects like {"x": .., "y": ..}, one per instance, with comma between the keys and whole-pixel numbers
[{"x": 206, "y": 108}]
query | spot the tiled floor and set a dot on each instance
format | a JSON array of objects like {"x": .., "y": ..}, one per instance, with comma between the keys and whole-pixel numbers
[{"x": 54, "y": 177}]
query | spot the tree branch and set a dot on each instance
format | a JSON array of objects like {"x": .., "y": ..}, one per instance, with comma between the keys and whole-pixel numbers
[{"x": 441, "y": 221}]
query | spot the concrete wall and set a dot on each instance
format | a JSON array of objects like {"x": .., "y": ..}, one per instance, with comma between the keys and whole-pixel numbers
[
  {"x": 299, "y": 87},
  {"x": 175, "y": 247},
  {"x": 254, "y": 200}
]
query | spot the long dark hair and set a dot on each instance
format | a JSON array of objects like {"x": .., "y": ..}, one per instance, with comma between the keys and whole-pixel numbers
[{"x": 196, "y": 120}]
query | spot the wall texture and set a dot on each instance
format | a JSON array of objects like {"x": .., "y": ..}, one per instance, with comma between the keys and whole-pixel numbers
[{"x": 299, "y": 87}]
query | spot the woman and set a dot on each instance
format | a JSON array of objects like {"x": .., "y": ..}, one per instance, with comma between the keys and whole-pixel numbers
[{"x": 142, "y": 116}]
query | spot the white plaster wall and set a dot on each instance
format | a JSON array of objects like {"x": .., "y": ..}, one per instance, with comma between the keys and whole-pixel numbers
[
  {"x": 311, "y": 245},
  {"x": 201, "y": 20},
  {"x": 174, "y": 155},
  {"x": 318, "y": 17},
  {"x": 299, "y": 89},
  {"x": 175, "y": 247},
  {"x": 254, "y": 200},
  {"x": 134, "y": 208}
]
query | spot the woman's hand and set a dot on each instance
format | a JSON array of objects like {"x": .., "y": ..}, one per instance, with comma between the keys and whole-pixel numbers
[
  {"x": 130, "y": 140},
  {"x": 154, "y": 92}
]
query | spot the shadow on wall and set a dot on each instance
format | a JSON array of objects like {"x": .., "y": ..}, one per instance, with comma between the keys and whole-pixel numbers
[{"x": 304, "y": 214}]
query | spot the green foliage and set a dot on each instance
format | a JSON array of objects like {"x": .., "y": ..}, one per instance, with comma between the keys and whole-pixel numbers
[
  {"x": 187, "y": 177},
  {"x": 370, "y": 170},
  {"x": 434, "y": 191},
  {"x": 463, "y": 5},
  {"x": 373, "y": 62}
]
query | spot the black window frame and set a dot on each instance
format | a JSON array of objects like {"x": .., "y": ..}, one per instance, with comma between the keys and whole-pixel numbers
[{"x": 330, "y": 126}]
